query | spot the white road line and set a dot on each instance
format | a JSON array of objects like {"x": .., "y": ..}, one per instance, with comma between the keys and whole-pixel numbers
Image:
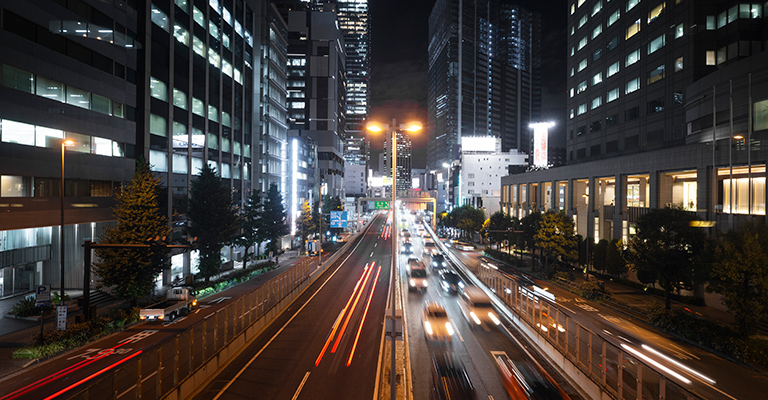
[
  {"x": 458, "y": 332},
  {"x": 301, "y": 385},
  {"x": 221, "y": 392},
  {"x": 371, "y": 254}
]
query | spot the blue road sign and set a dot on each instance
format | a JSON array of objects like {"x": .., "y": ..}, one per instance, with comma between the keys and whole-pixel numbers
[
  {"x": 338, "y": 219},
  {"x": 43, "y": 296}
]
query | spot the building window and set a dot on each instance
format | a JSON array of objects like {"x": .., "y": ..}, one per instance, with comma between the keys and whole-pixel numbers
[
  {"x": 632, "y": 58},
  {"x": 721, "y": 55},
  {"x": 181, "y": 34},
  {"x": 573, "y": 9},
  {"x": 198, "y": 46},
  {"x": 157, "y": 89},
  {"x": 677, "y": 98},
  {"x": 573, "y": 51},
  {"x": 198, "y": 107},
  {"x": 632, "y": 86},
  {"x": 198, "y": 16},
  {"x": 582, "y": 87},
  {"x": 631, "y": 113},
  {"x": 597, "y": 31},
  {"x": 50, "y": 89},
  {"x": 582, "y": 65},
  {"x": 571, "y": 92},
  {"x": 597, "y": 78},
  {"x": 613, "y": 69},
  {"x": 711, "y": 23},
  {"x": 632, "y": 30},
  {"x": 656, "y": 43},
  {"x": 760, "y": 115},
  {"x": 612, "y": 120},
  {"x": 655, "y": 12},
  {"x": 655, "y": 106},
  {"x": 596, "y": 102},
  {"x": 213, "y": 113},
  {"x": 582, "y": 109},
  {"x": 721, "y": 20},
  {"x": 597, "y": 7},
  {"x": 613, "y": 43},
  {"x": 656, "y": 74},
  {"x": 678, "y": 64},
  {"x": 179, "y": 98},
  {"x": 570, "y": 114},
  {"x": 581, "y": 130},
  {"x": 17, "y": 132},
  {"x": 582, "y": 43},
  {"x": 710, "y": 57},
  {"x": 612, "y": 95},
  {"x": 597, "y": 54},
  {"x": 18, "y": 79},
  {"x": 157, "y": 125},
  {"x": 613, "y": 17},
  {"x": 158, "y": 160},
  {"x": 594, "y": 126},
  {"x": 78, "y": 98},
  {"x": 582, "y": 21},
  {"x": 160, "y": 19},
  {"x": 632, "y": 3},
  {"x": 679, "y": 31}
]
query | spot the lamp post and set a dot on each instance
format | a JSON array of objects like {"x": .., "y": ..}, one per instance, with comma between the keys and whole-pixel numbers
[
  {"x": 64, "y": 143},
  {"x": 376, "y": 128}
]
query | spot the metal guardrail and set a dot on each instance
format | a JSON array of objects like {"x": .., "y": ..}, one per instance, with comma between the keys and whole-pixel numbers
[{"x": 614, "y": 369}]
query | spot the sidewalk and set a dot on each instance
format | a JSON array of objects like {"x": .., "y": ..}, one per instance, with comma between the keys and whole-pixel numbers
[{"x": 17, "y": 333}]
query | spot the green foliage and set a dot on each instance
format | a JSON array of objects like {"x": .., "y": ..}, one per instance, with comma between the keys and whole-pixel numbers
[
  {"x": 250, "y": 219},
  {"x": 586, "y": 250},
  {"x": 306, "y": 223},
  {"x": 740, "y": 274},
  {"x": 274, "y": 221},
  {"x": 496, "y": 227},
  {"x": 212, "y": 218},
  {"x": 466, "y": 218},
  {"x": 556, "y": 238},
  {"x": 207, "y": 288},
  {"x": 598, "y": 258},
  {"x": 26, "y": 307},
  {"x": 131, "y": 272},
  {"x": 614, "y": 263},
  {"x": 54, "y": 342},
  {"x": 666, "y": 249}
]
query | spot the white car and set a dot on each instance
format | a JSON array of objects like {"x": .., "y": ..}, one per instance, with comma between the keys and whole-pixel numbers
[
  {"x": 477, "y": 308},
  {"x": 437, "y": 326}
]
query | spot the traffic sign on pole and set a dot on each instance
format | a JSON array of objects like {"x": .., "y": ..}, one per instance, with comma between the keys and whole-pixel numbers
[
  {"x": 338, "y": 219},
  {"x": 381, "y": 205},
  {"x": 43, "y": 296}
]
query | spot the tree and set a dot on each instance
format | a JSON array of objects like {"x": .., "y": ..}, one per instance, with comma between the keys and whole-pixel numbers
[
  {"x": 599, "y": 255},
  {"x": 665, "y": 249},
  {"x": 250, "y": 218},
  {"x": 274, "y": 219},
  {"x": 132, "y": 272},
  {"x": 466, "y": 218},
  {"x": 529, "y": 225},
  {"x": 305, "y": 225},
  {"x": 212, "y": 219},
  {"x": 740, "y": 274},
  {"x": 497, "y": 227},
  {"x": 556, "y": 238},
  {"x": 614, "y": 264}
]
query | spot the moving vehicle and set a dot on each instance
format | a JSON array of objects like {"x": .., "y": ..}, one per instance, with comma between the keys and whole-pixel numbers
[
  {"x": 437, "y": 326},
  {"x": 450, "y": 282},
  {"x": 525, "y": 379},
  {"x": 179, "y": 300},
  {"x": 417, "y": 275},
  {"x": 450, "y": 379},
  {"x": 438, "y": 262},
  {"x": 477, "y": 308},
  {"x": 407, "y": 248}
]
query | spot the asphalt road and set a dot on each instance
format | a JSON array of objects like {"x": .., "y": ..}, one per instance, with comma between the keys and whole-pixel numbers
[{"x": 326, "y": 344}]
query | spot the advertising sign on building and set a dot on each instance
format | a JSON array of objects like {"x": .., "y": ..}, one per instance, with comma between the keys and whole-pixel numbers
[{"x": 540, "y": 143}]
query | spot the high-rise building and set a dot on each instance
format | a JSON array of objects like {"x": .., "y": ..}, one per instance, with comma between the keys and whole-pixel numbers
[
  {"x": 353, "y": 22},
  {"x": 667, "y": 106},
  {"x": 484, "y": 75}
]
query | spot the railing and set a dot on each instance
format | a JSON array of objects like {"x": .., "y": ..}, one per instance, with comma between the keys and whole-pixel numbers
[
  {"x": 612, "y": 368},
  {"x": 156, "y": 372}
]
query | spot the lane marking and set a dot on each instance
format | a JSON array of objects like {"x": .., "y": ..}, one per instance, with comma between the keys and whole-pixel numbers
[
  {"x": 301, "y": 385},
  {"x": 352, "y": 310},
  {"x": 371, "y": 255},
  {"x": 365, "y": 314}
]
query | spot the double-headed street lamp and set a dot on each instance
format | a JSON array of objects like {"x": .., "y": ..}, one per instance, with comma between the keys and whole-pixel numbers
[
  {"x": 394, "y": 129},
  {"x": 64, "y": 143}
]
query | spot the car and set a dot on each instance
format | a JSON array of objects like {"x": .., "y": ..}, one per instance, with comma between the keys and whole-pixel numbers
[
  {"x": 450, "y": 282},
  {"x": 437, "y": 261},
  {"x": 477, "y": 308},
  {"x": 404, "y": 231},
  {"x": 524, "y": 379},
  {"x": 437, "y": 326},
  {"x": 417, "y": 276},
  {"x": 407, "y": 248},
  {"x": 450, "y": 379}
]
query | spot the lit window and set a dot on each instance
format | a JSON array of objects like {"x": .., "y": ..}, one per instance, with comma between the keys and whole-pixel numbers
[
  {"x": 678, "y": 64},
  {"x": 573, "y": 8},
  {"x": 613, "y": 17},
  {"x": 710, "y": 57},
  {"x": 656, "y": 74},
  {"x": 655, "y": 12},
  {"x": 581, "y": 3},
  {"x": 157, "y": 125},
  {"x": 198, "y": 46},
  {"x": 571, "y": 92},
  {"x": 612, "y": 95},
  {"x": 711, "y": 23},
  {"x": 582, "y": 87},
  {"x": 571, "y": 114},
  {"x": 49, "y": 89},
  {"x": 198, "y": 16},
  {"x": 214, "y": 4},
  {"x": 679, "y": 31},
  {"x": 160, "y": 19},
  {"x": 213, "y": 113},
  {"x": 198, "y": 107},
  {"x": 213, "y": 29},
  {"x": 582, "y": 43},
  {"x": 226, "y": 68},
  {"x": 632, "y": 3},
  {"x": 573, "y": 51},
  {"x": 582, "y": 64},
  {"x": 612, "y": 69},
  {"x": 632, "y": 86},
  {"x": 597, "y": 78},
  {"x": 582, "y": 109},
  {"x": 632, "y": 30},
  {"x": 582, "y": 21},
  {"x": 598, "y": 6},
  {"x": 632, "y": 58},
  {"x": 179, "y": 98},
  {"x": 225, "y": 41},
  {"x": 157, "y": 89},
  {"x": 597, "y": 31},
  {"x": 721, "y": 20},
  {"x": 214, "y": 58},
  {"x": 18, "y": 132},
  {"x": 656, "y": 43},
  {"x": 181, "y": 34},
  {"x": 572, "y": 71},
  {"x": 596, "y": 102}
]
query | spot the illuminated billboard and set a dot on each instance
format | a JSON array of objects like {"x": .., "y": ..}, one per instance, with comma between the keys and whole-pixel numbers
[{"x": 540, "y": 142}]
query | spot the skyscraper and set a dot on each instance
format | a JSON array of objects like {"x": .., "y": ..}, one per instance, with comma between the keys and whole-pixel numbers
[
  {"x": 353, "y": 22},
  {"x": 484, "y": 75}
]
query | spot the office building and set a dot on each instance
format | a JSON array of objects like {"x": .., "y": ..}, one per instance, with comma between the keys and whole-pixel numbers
[{"x": 484, "y": 75}]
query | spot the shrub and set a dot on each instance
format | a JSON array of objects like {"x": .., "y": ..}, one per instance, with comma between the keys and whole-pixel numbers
[{"x": 26, "y": 308}]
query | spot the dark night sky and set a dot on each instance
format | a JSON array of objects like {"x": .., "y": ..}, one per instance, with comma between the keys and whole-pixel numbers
[{"x": 399, "y": 40}]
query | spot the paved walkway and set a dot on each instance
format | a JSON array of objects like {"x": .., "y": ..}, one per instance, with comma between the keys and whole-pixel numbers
[{"x": 16, "y": 333}]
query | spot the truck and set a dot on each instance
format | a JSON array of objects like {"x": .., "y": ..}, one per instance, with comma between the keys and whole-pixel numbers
[{"x": 179, "y": 300}]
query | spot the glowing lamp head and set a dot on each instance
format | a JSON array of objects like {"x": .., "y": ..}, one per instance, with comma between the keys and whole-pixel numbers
[
  {"x": 68, "y": 142},
  {"x": 374, "y": 127},
  {"x": 413, "y": 127}
]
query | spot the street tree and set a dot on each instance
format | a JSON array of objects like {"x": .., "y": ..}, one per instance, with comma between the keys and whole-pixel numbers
[
  {"x": 614, "y": 263},
  {"x": 468, "y": 219},
  {"x": 305, "y": 225},
  {"x": 497, "y": 227},
  {"x": 740, "y": 274},
  {"x": 529, "y": 225},
  {"x": 556, "y": 238},
  {"x": 274, "y": 221},
  {"x": 249, "y": 219},
  {"x": 212, "y": 219},
  {"x": 132, "y": 272},
  {"x": 665, "y": 248},
  {"x": 598, "y": 258}
]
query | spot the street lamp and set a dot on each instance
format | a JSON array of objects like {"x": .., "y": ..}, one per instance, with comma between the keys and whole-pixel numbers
[
  {"x": 376, "y": 128},
  {"x": 64, "y": 143}
]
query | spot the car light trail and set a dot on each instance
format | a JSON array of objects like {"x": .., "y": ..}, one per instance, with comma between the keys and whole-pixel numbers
[
  {"x": 343, "y": 311},
  {"x": 365, "y": 314},
  {"x": 351, "y": 311},
  {"x": 680, "y": 365},
  {"x": 72, "y": 368},
  {"x": 95, "y": 374},
  {"x": 656, "y": 364}
]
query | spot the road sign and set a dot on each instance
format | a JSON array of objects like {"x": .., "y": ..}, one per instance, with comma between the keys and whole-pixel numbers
[
  {"x": 381, "y": 205},
  {"x": 338, "y": 219},
  {"x": 43, "y": 296}
]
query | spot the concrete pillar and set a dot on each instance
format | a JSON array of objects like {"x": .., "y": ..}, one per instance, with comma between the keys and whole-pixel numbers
[
  {"x": 620, "y": 206},
  {"x": 654, "y": 192}
]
